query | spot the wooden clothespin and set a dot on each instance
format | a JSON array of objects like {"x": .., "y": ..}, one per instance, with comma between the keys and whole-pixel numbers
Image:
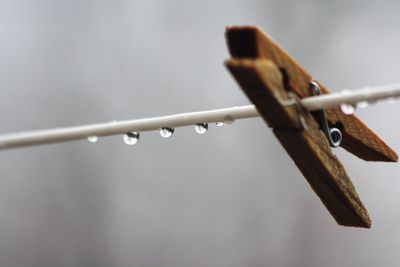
[{"x": 270, "y": 77}]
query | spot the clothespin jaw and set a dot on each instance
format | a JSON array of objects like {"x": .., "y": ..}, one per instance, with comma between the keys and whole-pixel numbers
[{"x": 268, "y": 75}]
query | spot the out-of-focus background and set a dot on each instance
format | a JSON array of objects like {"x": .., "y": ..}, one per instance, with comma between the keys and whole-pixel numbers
[{"x": 231, "y": 197}]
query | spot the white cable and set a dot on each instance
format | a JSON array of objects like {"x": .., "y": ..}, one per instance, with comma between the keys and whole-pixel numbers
[
  {"x": 353, "y": 97},
  {"x": 226, "y": 115}
]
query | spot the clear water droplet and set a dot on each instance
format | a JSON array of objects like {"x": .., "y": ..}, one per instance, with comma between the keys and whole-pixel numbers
[
  {"x": 229, "y": 119},
  {"x": 131, "y": 138},
  {"x": 166, "y": 132},
  {"x": 201, "y": 128},
  {"x": 391, "y": 100},
  {"x": 219, "y": 123},
  {"x": 93, "y": 139},
  {"x": 362, "y": 104},
  {"x": 347, "y": 109}
]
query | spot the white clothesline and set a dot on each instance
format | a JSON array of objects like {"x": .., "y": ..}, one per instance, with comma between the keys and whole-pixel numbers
[{"x": 347, "y": 99}]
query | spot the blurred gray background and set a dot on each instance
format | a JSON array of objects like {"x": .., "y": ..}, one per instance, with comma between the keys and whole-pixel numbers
[{"x": 231, "y": 197}]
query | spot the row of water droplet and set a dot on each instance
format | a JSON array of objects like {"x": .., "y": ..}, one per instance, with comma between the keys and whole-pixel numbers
[
  {"x": 349, "y": 109},
  {"x": 131, "y": 138}
]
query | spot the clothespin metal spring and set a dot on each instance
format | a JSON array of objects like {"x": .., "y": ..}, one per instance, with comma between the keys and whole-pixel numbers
[{"x": 333, "y": 134}]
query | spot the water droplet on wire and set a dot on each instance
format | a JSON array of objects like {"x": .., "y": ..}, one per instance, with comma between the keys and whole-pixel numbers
[
  {"x": 201, "y": 128},
  {"x": 229, "y": 119},
  {"x": 391, "y": 100},
  {"x": 219, "y": 123},
  {"x": 362, "y": 104},
  {"x": 166, "y": 132},
  {"x": 93, "y": 139},
  {"x": 347, "y": 109},
  {"x": 131, "y": 138}
]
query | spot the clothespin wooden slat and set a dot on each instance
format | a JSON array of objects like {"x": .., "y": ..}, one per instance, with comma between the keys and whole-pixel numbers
[
  {"x": 263, "y": 83},
  {"x": 358, "y": 139}
]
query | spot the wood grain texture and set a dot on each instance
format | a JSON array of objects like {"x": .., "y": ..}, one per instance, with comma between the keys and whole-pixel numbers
[
  {"x": 263, "y": 83},
  {"x": 269, "y": 102},
  {"x": 358, "y": 139}
]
